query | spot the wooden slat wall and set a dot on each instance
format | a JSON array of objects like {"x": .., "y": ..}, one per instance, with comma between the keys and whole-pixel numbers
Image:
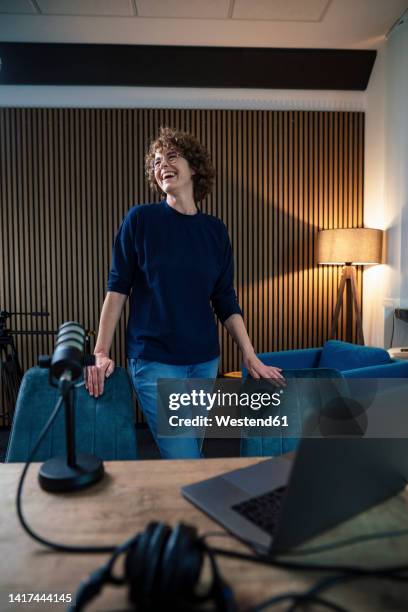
[{"x": 68, "y": 176}]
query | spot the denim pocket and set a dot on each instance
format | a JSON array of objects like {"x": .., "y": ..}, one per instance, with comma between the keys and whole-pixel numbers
[
  {"x": 134, "y": 366},
  {"x": 137, "y": 365}
]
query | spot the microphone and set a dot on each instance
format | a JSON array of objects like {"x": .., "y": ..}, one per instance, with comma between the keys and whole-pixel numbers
[
  {"x": 69, "y": 358},
  {"x": 69, "y": 351},
  {"x": 73, "y": 472}
]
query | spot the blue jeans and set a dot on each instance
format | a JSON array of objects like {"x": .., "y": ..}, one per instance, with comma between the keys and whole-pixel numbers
[{"x": 144, "y": 375}]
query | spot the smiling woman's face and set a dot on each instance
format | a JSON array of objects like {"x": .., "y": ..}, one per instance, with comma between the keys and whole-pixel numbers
[{"x": 172, "y": 172}]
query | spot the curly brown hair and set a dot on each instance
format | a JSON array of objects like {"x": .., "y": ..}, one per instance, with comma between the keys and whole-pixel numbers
[{"x": 192, "y": 150}]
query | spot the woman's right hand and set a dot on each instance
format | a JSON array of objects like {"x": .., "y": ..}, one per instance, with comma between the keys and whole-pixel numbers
[{"x": 95, "y": 375}]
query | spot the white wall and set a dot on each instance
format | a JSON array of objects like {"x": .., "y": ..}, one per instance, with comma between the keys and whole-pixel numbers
[
  {"x": 386, "y": 188},
  {"x": 374, "y": 197},
  {"x": 180, "y": 97}
]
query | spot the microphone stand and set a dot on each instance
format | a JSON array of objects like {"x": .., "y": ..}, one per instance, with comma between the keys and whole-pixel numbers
[{"x": 74, "y": 471}]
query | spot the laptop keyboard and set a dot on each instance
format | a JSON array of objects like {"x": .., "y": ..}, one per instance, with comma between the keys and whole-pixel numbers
[{"x": 263, "y": 510}]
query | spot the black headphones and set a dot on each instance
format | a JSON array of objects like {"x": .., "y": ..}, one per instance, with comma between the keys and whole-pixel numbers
[{"x": 162, "y": 568}]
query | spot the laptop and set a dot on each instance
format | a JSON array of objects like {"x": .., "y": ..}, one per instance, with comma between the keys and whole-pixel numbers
[{"x": 280, "y": 503}]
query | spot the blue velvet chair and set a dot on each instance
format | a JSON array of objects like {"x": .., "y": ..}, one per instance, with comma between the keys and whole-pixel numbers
[
  {"x": 104, "y": 426},
  {"x": 343, "y": 364}
]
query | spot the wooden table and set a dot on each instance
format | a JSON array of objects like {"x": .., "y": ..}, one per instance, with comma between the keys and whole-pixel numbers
[{"x": 134, "y": 493}]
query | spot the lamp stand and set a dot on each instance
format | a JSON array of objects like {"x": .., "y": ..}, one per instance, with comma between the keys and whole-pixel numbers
[{"x": 348, "y": 280}]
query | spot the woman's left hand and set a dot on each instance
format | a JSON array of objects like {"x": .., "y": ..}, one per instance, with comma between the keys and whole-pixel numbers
[{"x": 257, "y": 370}]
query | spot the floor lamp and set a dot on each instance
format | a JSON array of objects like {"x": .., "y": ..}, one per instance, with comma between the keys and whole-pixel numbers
[{"x": 349, "y": 248}]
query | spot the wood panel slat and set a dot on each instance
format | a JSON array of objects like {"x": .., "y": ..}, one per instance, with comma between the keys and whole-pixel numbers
[{"x": 68, "y": 176}]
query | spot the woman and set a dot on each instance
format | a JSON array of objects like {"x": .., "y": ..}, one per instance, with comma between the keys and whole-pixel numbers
[{"x": 176, "y": 264}]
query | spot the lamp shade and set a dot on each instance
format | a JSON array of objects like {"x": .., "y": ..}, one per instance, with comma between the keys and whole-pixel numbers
[{"x": 360, "y": 246}]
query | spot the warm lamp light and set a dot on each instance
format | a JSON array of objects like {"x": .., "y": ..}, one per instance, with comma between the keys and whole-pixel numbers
[{"x": 359, "y": 246}]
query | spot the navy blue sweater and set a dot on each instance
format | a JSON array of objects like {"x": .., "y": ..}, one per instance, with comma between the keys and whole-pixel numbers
[{"x": 176, "y": 268}]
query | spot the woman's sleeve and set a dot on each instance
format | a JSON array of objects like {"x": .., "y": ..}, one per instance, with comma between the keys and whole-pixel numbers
[
  {"x": 223, "y": 298},
  {"x": 124, "y": 258}
]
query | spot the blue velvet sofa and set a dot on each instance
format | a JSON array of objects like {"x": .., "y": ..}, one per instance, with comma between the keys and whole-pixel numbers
[
  {"x": 352, "y": 360},
  {"x": 335, "y": 368}
]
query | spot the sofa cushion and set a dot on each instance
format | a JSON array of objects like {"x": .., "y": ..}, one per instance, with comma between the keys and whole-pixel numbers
[{"x": 347, "y": 356}]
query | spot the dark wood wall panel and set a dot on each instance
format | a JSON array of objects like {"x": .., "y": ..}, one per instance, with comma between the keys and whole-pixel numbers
[{"x": 68, "y": 176}]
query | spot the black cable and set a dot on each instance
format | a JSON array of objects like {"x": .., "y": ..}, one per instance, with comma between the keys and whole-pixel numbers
[
  {"x": 24, "y": 524},
  {"x": 347, "y": 573},
  {"x": 319, "y": 600},
  {"x": 393, "y": 573},
  {"x": 307, "y": 597},
  {"x": 321, "y": 547},
  {"x": 312, "y": 594},
  {"x": 326, "y": 583},
  {"x": 346, "y": 542},
  {"x": 385, "y": 572},
  {"x": 298, "y": 599}
]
